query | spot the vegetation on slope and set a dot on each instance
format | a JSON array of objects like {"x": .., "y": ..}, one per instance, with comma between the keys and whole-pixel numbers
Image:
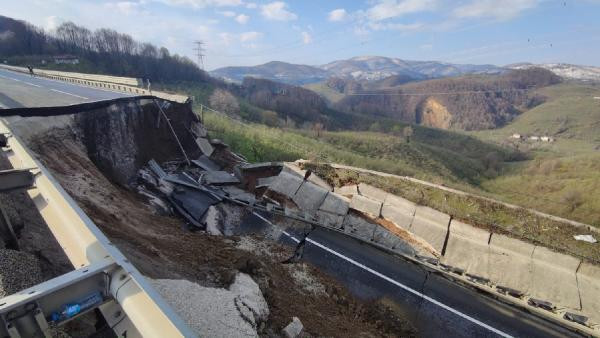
[{"x": 563, "y": 177}]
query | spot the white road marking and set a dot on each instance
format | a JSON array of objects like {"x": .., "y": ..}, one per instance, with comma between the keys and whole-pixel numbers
[
  {"x": 60, "y": 91},
  {"x": 10, "y": 78},
  {"x": 380, "y": 275},
  {"x": 32, "y": 84},
  {"x": 415, "y": 292}
]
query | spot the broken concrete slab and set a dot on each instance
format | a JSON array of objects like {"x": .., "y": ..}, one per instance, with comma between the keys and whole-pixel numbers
[
  {"x": 467, "y": 249},
  {"x": 206, "y": 163},
  {"x": 220, "y": 315},
  {"x": 294, "y": 168},
  {"x": 330, "y": 220},
  {"x": 309, "y": 197},
  {"x": 335, "y": 204},
  {"x": 239, "y": 194},
  {"x": 219, "y": 178},
  {"x": 192, "y": 203},
  {"x": 554, "y": 278},
  {"x": 366, "y": 205},
  {"x": 205, "y": 146},
  {"x": 510, "y": 255},
  {"x": 261, "y": 166},
  {"x": 358, "y": 226},
  {"x": 248, "y": 292},
  {"x": 431, "y": 225},
  {"x": 385, "y": 237},
  {"x": 588, "y": 278},
  {"x": 347, "y": 190},
  {"x": 211, "y": 220},
  {"x": 372, "y": 192},
  {"x": 265, "y": 181},
  {"x": 286, "y": 184},
  {"x": 198, "y": 130},
  {"x": 293, "y": 329}
]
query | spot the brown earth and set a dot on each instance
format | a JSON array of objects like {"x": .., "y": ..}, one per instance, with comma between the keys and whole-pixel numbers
[{"x": 160, "y": 247}]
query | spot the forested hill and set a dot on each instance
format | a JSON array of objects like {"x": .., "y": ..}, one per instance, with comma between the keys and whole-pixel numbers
[{"x": 103, "y": 51}]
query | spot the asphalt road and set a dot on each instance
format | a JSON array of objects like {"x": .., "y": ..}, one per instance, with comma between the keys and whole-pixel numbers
[
  {"x": 19, "y": 90},
  {"x": 437, "y": 306}
]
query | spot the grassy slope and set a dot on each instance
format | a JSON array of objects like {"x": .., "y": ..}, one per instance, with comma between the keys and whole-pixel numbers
[
  {"x": 329, "y": 94},
  {"x": 563, "y": 178},
  {"x": 434, "y": 155}
]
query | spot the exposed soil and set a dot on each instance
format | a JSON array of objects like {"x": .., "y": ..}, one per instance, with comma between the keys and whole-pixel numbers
[{"x": 161, "y": 247}]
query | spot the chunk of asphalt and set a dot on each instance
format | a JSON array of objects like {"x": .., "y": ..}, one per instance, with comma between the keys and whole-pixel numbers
[{"x": 206, "y": 163}]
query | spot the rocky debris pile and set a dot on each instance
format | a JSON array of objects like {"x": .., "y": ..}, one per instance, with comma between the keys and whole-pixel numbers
[
  {"x": 239, "y": 311},
  {"x": 18, "y": 271}
]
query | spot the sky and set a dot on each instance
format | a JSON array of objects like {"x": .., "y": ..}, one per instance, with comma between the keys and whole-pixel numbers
[{"x": 314, "y": 32}]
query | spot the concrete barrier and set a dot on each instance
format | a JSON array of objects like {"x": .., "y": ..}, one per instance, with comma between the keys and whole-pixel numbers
[
  {"x": 510, "y": 262},
  {"x": 588, "y": 278},
  {"x": 372, "y": 192},
  {"x": 554, "y": 278},
  {"x": 467, "y": 249},
  {"x": 347, "y": 190},
  {"x": 309, "y": 197},
  {"x": 286, "y": 184},
  {"x": 431, "y": 225},
  {"x": 385, "y": 237},
  {"x": 398, "y": 211},
  {"x": 335, "y": 204},
  {"x": 366, "y": 205},
  {"x": 358, "y": 226},
  {"x": 330, "y": 220}
]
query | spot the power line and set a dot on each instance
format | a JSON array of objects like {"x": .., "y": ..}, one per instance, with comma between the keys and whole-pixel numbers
[{"x": 199, "y": 53}]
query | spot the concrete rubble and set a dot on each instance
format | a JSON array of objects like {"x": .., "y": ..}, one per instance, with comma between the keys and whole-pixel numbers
[
  {"x": 293, "y": 329},
  {"x": 215, "y": 312}
]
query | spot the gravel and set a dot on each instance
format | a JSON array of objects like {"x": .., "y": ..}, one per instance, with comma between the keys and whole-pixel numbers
[
  {"x": 215, "y": 312},
  {"x": 18, "y": 271}
]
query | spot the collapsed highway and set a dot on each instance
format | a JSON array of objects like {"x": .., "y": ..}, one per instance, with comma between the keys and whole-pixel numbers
[{"x": 96, "y": 153}]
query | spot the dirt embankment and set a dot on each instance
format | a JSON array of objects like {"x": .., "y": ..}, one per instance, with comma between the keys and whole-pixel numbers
[{"x": 162, "y": 248}]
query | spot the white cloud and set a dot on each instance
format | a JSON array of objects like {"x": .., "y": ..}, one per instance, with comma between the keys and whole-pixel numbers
[
  {"x": 242, "y": 19},
  {"x": 306, "y": 38},
  {"x": 277, "y": 11},
  {"x": 250, "y": 36},
  {"x": 378, "y": 26},
  {"x": 426, "y": 46},
  {"x": 497, "y": 9},
  {"x": 226, "y": 38},
  {"x": 251, "y": 5},
  {"x": 386, "y": 9},
  {"x": 124, "y": 7},
  {"x": 339, "y": 14},
  {"x": 228, "y": 14},
  {"x": 203, "y": 3}
]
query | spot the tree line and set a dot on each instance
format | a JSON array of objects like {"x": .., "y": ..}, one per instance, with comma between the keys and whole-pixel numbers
[{"x": 107, "y": 50}]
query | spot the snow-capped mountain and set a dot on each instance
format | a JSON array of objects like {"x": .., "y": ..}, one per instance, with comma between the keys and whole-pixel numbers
[{"x": 569, "y": 71}]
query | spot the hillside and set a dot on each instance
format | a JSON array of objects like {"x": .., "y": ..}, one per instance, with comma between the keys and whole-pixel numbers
[
  {"x": 274, "y": 70},
  {"x": 103, "y": 51},
  {"x": 563, "y": 176},
  {"x": 362, "y": 68},
  {"x": 469, "y": 102},
  {"x": 568, "y": 71}
]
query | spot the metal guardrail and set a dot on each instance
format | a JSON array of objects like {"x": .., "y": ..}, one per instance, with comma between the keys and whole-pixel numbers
[{"x": 135, "y": 309}]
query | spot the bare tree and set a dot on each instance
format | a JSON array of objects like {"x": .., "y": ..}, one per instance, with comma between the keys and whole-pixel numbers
[{"x": 224, "y": 101}]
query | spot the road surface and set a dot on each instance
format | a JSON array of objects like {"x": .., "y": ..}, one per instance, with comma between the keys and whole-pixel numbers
[
  {"x": 19, "y": 90},
  {"x": 438, "y": 307}
]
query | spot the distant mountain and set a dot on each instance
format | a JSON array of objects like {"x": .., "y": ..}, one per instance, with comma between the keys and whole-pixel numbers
[
  {"x": 362, "y": 68},
  {"x": 379, "y": 67},
  {"x": 274, "y": 70},
  {"x": 568, "y": 71}
]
